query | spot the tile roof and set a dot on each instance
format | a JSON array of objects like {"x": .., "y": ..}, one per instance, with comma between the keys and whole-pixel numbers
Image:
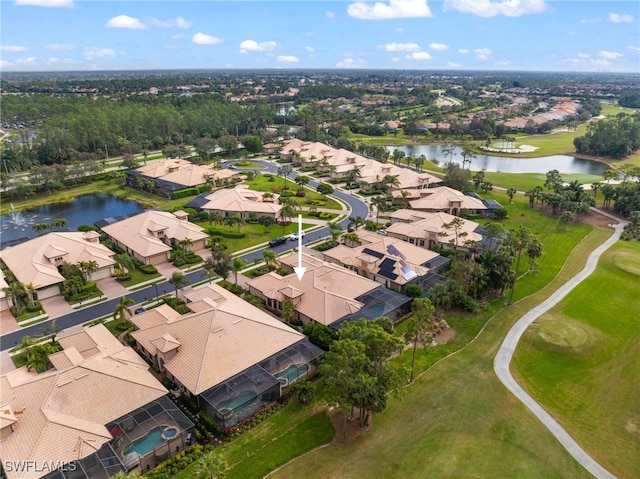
[
  {"x": 34, "y": 261},
  {"x": 60, "y": 415},
  {"x": 326, "y": 293},
  {"x": 136, "y": 232},
  {"x": 183, "y": 172},
  {"x": 217, "y": 343},
  {"x": 441, "y": 198},
  {"x": 240, "y": 199},
  {"x": 426, "y": 225}
]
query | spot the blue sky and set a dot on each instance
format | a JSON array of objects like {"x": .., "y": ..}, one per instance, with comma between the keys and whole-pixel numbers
[{"x": 533, "y": 35}]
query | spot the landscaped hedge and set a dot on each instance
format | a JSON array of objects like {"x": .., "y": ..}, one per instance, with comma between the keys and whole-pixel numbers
[
  {"x": 36, "y": 306},
  {"x": 148, "y": 269},
  {"x": 185, "y": 192},
  {"x": 226, "y": 234}
]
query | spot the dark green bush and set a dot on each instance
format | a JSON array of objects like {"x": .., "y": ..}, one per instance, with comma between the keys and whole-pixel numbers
[
  {"x": 184, "y": 193},
  {"x": 36, "y": 306},
  {"x": 147, "y": 269},
  {"x": 226, "y": 234}
]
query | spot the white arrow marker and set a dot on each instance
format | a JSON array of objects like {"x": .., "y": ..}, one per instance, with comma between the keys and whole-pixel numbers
[{"x": 300, "y": 270}]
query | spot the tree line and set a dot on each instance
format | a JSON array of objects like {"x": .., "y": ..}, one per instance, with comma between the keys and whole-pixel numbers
[{"x": 617, "y": 136}]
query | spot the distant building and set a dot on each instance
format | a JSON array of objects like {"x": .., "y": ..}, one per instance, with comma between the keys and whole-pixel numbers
[{"x": 242, "y": 201}]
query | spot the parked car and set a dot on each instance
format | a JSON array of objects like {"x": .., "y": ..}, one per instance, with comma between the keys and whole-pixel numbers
[
  {"x": 139, "y": 310},
  {"x": 277, "y": 241},
  {"x": 382, "y": 232},
  {"x": 294, "y": 236}
]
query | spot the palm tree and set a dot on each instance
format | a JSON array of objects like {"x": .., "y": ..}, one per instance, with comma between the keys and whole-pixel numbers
[
  {"x": 288, "y": 311},
  {"x": 88, "y": 268},
  {"x": 211, "y": 466},
  {"x": 334, "y": 230},
  {"x": 356, "y": 221},
  {"x": 270, "y": 258},
  {"x": 236, "y": 265},
  {"x": 60, "y": 223},
  {"x": 123, "y": 307},
  {"x": 209, "y": 268},
  {"x": 215, "y": 217},
  {"x": 51, "y": 331},
  {"x": 179, "y": 281},
  {"x": 448, "y": 150},
  {"x": 267, "y": 196},
  {"x": 467, "y": 154},
  {"x": 352, "y": 174},
  {"x": 124, "y": 261},
  {"x": 30, "y": 290},
  {"x": 350, "y": 239},
  {"x": 287, "y": 212},
  {"x": 389, "y": 182},
  {"x": 285, "y": 171},
  {"x": 380, "y": 202},
  {"x": 511, "y": 192}
]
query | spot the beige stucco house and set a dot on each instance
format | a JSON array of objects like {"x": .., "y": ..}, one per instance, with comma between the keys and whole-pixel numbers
[
  {"x": 81, "y": 418},
  {"x": 149, "y": 236},
  {"x": 174, "y": 174},
  {"x": 441, "y": 198},
  {"x": 328, "y": 293},
  {"x": 429, "y": 229},
  {"x": 36, "y": 261},
  {"x": 389, "y": 261},
  {"x": 243, "y": 201},
  {"x": 213, "y": 352}
]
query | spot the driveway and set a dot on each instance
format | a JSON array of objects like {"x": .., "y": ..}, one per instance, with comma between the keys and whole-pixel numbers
[{"x": 508, "y": 347}]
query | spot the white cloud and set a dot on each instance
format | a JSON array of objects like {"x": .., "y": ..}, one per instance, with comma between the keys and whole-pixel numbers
[
  {"x": 438, "y": 46},
  {"x": 5, "y": 64},
  {"x": 46, "y": 3},
  {"x": 489, "y": 8},
  {"x": 620, "y": 18},
  {"x": 178, "y": 22},
  {"x": 583, "y": 55},
  {"x": 483, "y": 53},
  {"x": 204, "y": 39},
  {"x": 582, "y": 62},
  {"x": 400, "y": 47},
  {"x": 52, "y": 60},
  {"x": 125, "y": 21},
  {"x": 92, "y": 52},
  {"x": 464, "y": 51},
  {"x": 395, "y": 59},
  {"x": 502, "y": 63},
  {"x": 253, "y": 46},
  {"x": 419, "y": 56},
  {"x": 26, "y": 61},
  {"x": 178, "y": 36},
  {"x": 400, "y": 30},
  {"x": 309, "y": 49},
  {"x": 572, "y": 34},
  {"x": 591, "y": 20},
  {"x": 60, "y": 47},
  {"x": 182, "y": 23},
  {"x": 12, "y": 48},
  {"x": 609, "y": 55},
  {"x": 330, "y": 14},
  {"x": 394, "y": 9},
  {"x": 632, "y": 48},
  {"x": 454, "y": 65},
  {"x": 287, "y": 59},
  {"x": 351, "y": 63}
]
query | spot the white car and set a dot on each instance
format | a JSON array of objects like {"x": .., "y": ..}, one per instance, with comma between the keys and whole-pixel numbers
[
  {"x": 382, "y": 232},
  {"x": 294, "y": 236}
]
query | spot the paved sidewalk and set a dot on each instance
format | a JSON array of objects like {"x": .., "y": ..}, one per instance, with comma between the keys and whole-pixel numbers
[{"x": 508, "y": 347}]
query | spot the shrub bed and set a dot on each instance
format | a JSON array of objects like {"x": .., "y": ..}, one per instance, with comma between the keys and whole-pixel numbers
[
  {"x": 184, "y": 193},
  {"x": 226, "y": 234}
]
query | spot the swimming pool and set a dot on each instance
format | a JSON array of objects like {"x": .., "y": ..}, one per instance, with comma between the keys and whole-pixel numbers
[
  {"x": 236, "y": 401},
  {"x": 152, "y": 439},
  {"x": 292, "y": 373}
]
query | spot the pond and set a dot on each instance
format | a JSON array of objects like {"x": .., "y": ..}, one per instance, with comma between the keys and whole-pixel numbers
[
  {"x": 85, "y": 209},
  {"x": 562, "y": 163}
]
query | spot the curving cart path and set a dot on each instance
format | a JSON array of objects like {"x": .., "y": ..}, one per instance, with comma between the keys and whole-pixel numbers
[{"x": 505, "y": 354}]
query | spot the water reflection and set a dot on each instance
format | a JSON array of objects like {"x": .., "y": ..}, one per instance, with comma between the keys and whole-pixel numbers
[
  {"x": 85, "y": 209},
  {"x": 562, "y": 163}
]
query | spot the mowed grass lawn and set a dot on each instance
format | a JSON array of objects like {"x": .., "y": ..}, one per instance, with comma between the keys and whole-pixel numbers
[
  {"x": 581, "y": 361},
  {"x": 526, "y": 181},
  {"x": 262, "y": 183},
  {"x": 457, "y": 420}
]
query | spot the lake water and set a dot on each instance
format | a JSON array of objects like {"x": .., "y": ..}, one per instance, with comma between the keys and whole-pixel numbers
[
  {"x": 84, "y": 209},
  {"x": 562, "y": 163}
]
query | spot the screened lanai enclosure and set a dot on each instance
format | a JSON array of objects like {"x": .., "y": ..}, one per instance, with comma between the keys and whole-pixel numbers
[
  {"x": 150, "y": 435},
  {"x": 247, "y": 393},
  {"x": 102, "y": 464}
]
